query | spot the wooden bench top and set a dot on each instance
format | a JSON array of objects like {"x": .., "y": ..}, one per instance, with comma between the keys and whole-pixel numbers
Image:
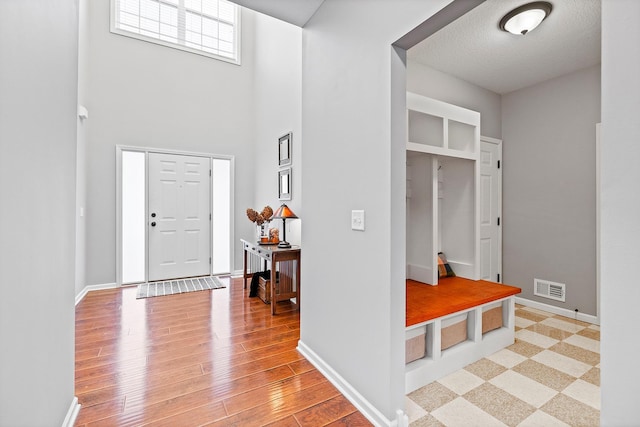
[{"x": 452, "y": 294}]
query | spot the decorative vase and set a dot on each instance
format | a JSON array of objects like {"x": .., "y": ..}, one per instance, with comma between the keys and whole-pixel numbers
[{"x": 262, "y": 232}]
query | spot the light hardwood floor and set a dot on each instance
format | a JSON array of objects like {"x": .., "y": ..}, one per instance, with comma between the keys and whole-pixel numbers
[{"x": 203, "y": 358}]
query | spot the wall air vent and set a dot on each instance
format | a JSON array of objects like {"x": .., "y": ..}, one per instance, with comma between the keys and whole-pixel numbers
[{"x": 548, "y": 289}]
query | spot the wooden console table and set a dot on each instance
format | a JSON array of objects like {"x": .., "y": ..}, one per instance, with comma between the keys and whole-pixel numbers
[{"x": 286, "y": 261}]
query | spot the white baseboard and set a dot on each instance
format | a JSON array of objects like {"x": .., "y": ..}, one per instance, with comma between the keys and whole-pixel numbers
[
  {"x": 402, "y": 419},
  {"x": 559, "y": 310},
  {"x": 462, "y": 269},
  {"x": 72, "y": 413},
  {"x": 88, "y": 288},
  {"x": 359, "y": 401},
  {"x": 420, "y": 273},
  {"x": 236, "y": 274}
]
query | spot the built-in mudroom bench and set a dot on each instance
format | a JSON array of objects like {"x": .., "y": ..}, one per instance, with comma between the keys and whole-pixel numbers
[
  {"x": 454, "y": 324},
  {"x": 453, "y": 318}
]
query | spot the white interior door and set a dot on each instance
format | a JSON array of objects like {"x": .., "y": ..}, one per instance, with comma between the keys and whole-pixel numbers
[
  {"x": 490, "y": 209},
  {"x": 179, "y": 216}
]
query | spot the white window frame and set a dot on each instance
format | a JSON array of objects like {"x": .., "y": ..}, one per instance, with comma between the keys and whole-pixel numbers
[{"x": 236, "y": 41}]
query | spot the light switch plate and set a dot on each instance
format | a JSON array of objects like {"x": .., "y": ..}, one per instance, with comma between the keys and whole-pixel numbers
[{"x": 357, "y": 220}]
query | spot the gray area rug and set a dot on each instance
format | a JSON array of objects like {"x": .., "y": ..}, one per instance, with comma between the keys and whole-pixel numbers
[{"x": 178, "y": 286}]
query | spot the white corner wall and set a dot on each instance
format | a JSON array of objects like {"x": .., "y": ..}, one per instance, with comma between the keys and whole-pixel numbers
[
  {"x": 38, "y": 87},
  {"x": 620, "y": 213},
  {"x": 142, "y": 94},
  {"x": 278, "y": 110},
  {"x": 354, "y": 132},
  {"x": 549, "y": 187}
]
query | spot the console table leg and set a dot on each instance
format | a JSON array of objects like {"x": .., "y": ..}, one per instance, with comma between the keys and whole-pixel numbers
[
  {"x": 273, "y": 286},
  {"x": 244, "y": 268},
  {"x": 298, "y": 283}
]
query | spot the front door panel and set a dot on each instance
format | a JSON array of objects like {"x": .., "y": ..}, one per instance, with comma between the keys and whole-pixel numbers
[{"x": 179, "y": 216}]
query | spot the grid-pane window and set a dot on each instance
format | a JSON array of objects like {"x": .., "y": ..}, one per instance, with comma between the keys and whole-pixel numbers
[{"x": 208, "y": 27}]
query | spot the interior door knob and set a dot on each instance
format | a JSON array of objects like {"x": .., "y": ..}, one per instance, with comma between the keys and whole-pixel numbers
[{"x": 153, "y": 224}]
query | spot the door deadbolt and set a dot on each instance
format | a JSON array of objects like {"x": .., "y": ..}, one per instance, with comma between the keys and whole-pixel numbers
[{"x": 153, "y": 215}]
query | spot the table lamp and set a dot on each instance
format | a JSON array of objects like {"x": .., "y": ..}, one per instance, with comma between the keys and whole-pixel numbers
[{"x": 285, "y": 213}]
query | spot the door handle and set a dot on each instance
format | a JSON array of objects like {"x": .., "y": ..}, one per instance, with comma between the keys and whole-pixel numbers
[{"x": 153, "y": 224}]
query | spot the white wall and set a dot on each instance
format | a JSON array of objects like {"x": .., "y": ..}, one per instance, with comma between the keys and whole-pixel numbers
[
  {"x": 444, "y": 87},
  {"x": 620, "y": 209},
  {"x": 81, "y": 153},
  {"x": 457, "y": 213},
  {"x": 549, "y": 169},
  {"x": 38, "y": 83},
  {"x": 142, "y": 94},
  {"x": 353, "y": 286},
  {"x": 277, "y": 104}
]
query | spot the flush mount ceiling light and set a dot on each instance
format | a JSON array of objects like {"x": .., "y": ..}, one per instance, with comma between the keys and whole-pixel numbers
[{"x": 525, "y": 18}]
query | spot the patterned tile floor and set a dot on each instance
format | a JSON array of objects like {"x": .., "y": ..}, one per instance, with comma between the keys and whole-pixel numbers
[{"x": 549, "y": 377}]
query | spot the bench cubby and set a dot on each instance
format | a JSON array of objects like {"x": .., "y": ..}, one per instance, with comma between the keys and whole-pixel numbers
[{"x": 444, "y": 334}]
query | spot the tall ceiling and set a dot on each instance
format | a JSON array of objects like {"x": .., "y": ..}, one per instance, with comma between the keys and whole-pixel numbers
[
  {"x": 474, "y": 49},
  {"x": 296, "y": 12}
]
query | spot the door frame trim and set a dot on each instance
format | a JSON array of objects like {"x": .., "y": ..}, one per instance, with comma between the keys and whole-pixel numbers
[
  {"x": 146, "y": 151},
  {"x": 498, "y": 142},
  {"x": 598, "y": 229}
]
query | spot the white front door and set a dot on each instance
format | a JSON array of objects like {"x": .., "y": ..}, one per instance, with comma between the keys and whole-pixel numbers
[
  {"x": 490, "y": 209},
  {"x": 179, "y": 216}
]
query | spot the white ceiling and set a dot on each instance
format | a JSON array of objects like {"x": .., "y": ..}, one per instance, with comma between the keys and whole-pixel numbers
[
  {"x": 474, "y": 49},
  {"x": 296, "y": 12}
]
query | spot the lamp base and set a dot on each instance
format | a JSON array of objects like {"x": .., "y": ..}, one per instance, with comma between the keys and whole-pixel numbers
[{"x": 284, "y": 244}]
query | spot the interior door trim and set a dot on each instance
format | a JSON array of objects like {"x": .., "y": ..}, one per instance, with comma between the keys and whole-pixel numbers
[
  {"x": 498, "y": 142},
  {"x": 118, "y": 204}
]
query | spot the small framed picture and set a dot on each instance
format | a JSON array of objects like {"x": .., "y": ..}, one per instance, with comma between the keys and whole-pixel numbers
[
  {"x": 284, "y": 184},
  {"x": 284, "y": 149}
]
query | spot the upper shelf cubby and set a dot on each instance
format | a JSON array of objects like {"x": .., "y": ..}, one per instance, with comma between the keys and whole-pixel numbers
[
  {"x": 440, "y": 128},
  {"x": 426, "y": 129}
]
